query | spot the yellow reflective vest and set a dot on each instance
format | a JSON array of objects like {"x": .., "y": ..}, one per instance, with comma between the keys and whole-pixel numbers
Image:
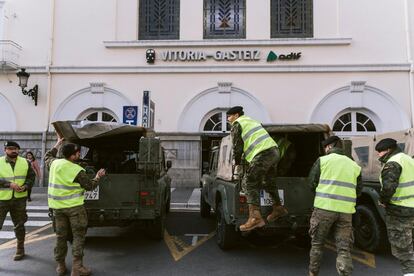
[
  {"x": 283, "y": 145},
  {"x": 336, "y": 189},
  {"x": 255, "y": 138},
  {"x": 63, "y": 192},
  {"x": 18, "y": 175},
  {"x": 404, "y": 194}
]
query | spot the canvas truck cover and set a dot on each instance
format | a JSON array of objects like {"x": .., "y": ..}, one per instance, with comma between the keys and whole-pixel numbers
[
  {"x": 363, "y": 151},
  {"x": 89, "y": 133},
  {"x": 225, "y": 160}
]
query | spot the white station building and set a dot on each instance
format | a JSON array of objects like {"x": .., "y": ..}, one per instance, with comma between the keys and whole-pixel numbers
[{"x": 178, "y": 65}]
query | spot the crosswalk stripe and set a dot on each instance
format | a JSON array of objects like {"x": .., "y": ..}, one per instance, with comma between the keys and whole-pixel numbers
[
  {"x": 172, "y": 190},
  {"x": 7, "y": 235},
  {"x": 35, "y": 215},
  {"x": 195, "y": 196},
  {"x": 37, "y": 207},
  {"x": 32, "y": 223}
]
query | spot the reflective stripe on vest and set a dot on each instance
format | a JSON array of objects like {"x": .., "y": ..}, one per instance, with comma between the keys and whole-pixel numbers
[
  {"x": 283, "y": 145},
  {"x": 404, "y": 194},
  {"x": 336, "y": 190},
  {"x": 255, "y": 137},
  {"x": 18, "y": 175},
  {"x": 63, "y": 192}
]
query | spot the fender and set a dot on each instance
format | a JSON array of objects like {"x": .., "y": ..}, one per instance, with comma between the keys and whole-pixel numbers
[
  {"x": 374, "y": 196},
  {"x": 224, "y": 200}
]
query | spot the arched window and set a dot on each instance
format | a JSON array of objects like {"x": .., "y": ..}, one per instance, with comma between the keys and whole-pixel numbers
[
  {"x": 216, "y": 121},
  {"x": 353, "y": 123},
  {"x": 98, "y": 115}
]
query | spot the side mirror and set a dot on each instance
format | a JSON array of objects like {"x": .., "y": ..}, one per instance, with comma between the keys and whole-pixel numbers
[{"x": 169, "y": 164}]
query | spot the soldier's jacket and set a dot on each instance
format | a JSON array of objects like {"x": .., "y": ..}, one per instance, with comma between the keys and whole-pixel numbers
[
  {"x": 82, "y": 178},
  {"x": 315, "y": 173},
  {"x": 238, "y": 144},
  {"x": 390, "y": 175}
]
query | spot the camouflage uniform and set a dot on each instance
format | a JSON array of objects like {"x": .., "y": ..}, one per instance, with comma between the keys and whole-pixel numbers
[
  {"x": 399, "y": 219},
  {"x": 260, "y": 173},
  {"x": 16, "y": 206},
  {"x": 72, "y": 220},
  {"x": 321, "y": 223}
]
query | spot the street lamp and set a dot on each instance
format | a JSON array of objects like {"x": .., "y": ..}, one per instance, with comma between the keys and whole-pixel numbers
[{"x": 23, "y": 78}]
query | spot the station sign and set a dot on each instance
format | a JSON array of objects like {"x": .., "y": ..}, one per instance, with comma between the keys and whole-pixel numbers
[{"x": 130, "y": 115}]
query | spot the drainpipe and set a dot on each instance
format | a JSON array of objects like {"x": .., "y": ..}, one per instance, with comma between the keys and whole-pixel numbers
[
  {"x": 409, "y": 59},
  {"x": 49, "y": 89}
]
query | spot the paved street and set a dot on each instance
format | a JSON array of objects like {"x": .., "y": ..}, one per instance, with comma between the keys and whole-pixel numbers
[{"x": 188, "y": 248}]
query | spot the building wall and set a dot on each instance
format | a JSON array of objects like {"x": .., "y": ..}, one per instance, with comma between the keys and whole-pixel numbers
[{"x": 85, "y": 55}]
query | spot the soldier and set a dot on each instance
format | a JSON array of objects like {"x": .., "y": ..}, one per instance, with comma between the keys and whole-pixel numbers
[
  {"x": 397, "y": 196},
  {"x": 260, "y": 151},
  {"x": 67, "y": 183},
  {"x": 16, "y": 177},
  {"x": 287, "y": 152},
  {"x": 337, "y": 181}
]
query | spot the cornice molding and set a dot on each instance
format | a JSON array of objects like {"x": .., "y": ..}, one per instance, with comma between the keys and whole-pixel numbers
[
  {"x": 317, "y": 68},
  {"x": 227, "y": 42}
]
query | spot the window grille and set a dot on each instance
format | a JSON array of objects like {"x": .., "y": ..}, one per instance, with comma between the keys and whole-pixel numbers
[
  {"x": 159, "y": 19},
  {"x": 217, "y": 123},
  {"x": 224, "y": 19},
  {"x": 354, "y": 122},
  {"x": 291, "y": 18}
]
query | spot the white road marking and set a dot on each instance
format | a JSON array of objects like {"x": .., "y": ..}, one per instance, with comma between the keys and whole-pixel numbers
[
  {"x": 32, "y": 223},
  {"x": 7, "y": 235}
]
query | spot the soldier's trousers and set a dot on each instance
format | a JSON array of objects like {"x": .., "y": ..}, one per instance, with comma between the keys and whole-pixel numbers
[
  {"x": 75, "y": 219},
  {"x": 401, "y": 239},
  {"x": 18, "y": 214},
  {"x": 261, "y": 174},
  {"x": 321, "y": 223}
]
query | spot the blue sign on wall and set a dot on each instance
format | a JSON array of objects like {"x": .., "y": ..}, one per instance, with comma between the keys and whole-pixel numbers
[{"x": 130, "y": 115}]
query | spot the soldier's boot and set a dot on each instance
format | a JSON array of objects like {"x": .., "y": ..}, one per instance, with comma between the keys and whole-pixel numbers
[
  {"x": 255, "y": 219},
  {"x": 61, "y": 268},
  {"x": 78, "y": 269},
  {"x": 19, "y": 251},
  {"x": 277, "y": 212}
]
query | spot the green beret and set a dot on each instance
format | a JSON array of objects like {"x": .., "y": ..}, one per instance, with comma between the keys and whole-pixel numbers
[
  {"x": 235, "y": 110},
  {"x": 330, "y": 140},
  {"x": 384, "y": 144},
  {"x": 11, "y": 144}
]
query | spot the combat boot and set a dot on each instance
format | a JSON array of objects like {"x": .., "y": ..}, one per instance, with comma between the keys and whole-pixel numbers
[
  {"x": 255, "y": 219},
  {"x": 78, "y": 269},
  {"x": 61, "y": 268},
  {"x": 277, "y": 212},
  {"x": 19, "y": 251}
]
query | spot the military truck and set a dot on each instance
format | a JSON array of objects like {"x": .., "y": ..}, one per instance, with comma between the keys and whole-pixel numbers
[
  {"x": 369, "y": 220},
  {"x": 221, "y": 188},
  {"x": 136, "y": 188}
]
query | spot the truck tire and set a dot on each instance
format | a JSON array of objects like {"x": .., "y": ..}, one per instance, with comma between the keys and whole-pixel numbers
[
  {"x": 226, "y": 235},
  {"x": 156, "y": 228},
  {"x": 369, "y": 231},
  {"x": 205, "y": 208}
]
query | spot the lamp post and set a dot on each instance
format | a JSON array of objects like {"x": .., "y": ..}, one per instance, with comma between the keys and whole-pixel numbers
[{"x": 23, "y": 78}]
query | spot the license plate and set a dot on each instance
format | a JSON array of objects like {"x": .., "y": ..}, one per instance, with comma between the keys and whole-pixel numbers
[
  {"x": 266, "y": 200},
  {"x": 92, "y": 195}
]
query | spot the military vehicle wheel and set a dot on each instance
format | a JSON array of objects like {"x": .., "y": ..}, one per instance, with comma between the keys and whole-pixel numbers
[
  {"x": 226, "y": 235},
  {"x": 205, "y": 208},
  {"x": 369, "y": 231},
  {"x": 156, "y": 228}
]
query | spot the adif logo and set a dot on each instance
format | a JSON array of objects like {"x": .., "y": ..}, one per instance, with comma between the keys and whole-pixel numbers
[
  {"x": 150, "y": 56},
  {"x": 292, "y": 56}
]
